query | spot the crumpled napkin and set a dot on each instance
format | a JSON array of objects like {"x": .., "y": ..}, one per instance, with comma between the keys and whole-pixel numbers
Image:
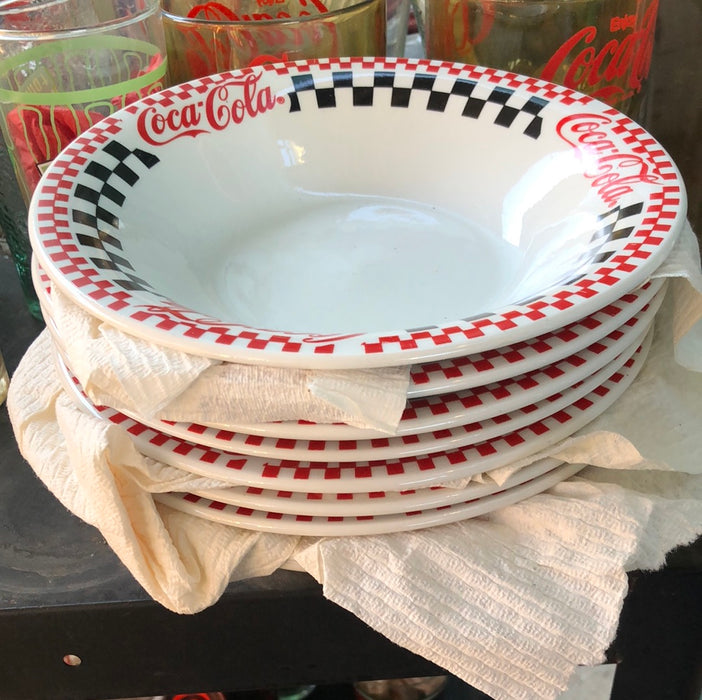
[
  {"x": 149, "y": 380},
  {"x": 511, "y": 602}
]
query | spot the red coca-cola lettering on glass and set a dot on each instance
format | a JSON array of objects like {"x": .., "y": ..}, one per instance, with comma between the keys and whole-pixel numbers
[
  {"x": 467, "y": 31},
  {"x": 612, "y": 172},
  {"x": 219, "y": 11},
  {"x": 616, "y": 69},
  {"x": 226, "y": 103},
  {"x": 216, "y": 37}
]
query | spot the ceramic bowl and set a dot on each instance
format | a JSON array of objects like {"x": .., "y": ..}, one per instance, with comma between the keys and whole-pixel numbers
[{"x": 361, "y": 212}]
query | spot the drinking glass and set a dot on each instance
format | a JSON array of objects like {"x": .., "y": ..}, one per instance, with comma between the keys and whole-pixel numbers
[
  {"x": 599, "y": 47},
  {"x": 211, "y": 37},
  {"x": 397, "y": 14},
  {"x": 64, "y": 65}
]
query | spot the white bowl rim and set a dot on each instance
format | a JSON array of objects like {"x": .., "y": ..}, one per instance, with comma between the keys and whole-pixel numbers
[{"x": 172, "y": 326}]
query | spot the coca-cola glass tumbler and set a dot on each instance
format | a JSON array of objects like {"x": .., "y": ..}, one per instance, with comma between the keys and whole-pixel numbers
[
  {"x": 204, "y": 38},
  {"x": 397, "y": 14},
  {"x": 599, "y": 47},
  {"x": 64, "y": 65}
]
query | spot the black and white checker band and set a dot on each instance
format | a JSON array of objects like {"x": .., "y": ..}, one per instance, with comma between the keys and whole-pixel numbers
[
  {"x": 435, "y": 95},
  {"x": 115, "y": 169}
]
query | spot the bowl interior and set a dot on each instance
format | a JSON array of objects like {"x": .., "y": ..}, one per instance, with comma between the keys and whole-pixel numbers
[{"x": 352, "y": 218}]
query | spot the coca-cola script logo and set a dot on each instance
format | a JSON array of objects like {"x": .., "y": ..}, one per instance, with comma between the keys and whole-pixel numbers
[
  {"x": 216, "y": 11},
  {"x": 171, "y": 313},
  {"x": 612, "y": 70},
  {"x": 323, "y": 339},
  {"x": 613, "y": 173},
  {"x": 226, "y": 103}
]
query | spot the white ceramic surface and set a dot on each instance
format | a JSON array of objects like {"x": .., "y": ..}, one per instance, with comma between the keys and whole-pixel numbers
[
  {"x": 336, "y": 526},
  {"x": 284, "y": 215},
  {"x": 387, "y": 475},
  {"x": 547, "y": 400}
]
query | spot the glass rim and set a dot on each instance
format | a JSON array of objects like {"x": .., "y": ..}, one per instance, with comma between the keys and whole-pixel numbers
[
  {"x": 90, "y": 94},
  {"x": 199, "y": 21},
  {"x": 8, "y": 8}
]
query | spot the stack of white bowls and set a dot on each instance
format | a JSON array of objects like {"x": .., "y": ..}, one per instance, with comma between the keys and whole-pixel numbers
[{"x": 497, "y": 235}]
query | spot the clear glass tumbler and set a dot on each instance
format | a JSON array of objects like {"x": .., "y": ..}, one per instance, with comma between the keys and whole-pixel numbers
[
  {"x": 210, "y": 37},
  {"x": 601, "y": 48},
  {"x": 64, "y": 65}
]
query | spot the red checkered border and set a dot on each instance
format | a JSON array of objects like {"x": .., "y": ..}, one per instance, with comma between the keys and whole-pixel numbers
[
  {"x": 653, "y": 234},
  {"x": 431, "y": 469}
]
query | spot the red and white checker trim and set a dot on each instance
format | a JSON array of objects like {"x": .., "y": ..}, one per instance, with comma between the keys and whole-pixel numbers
[
  {"x": 395, "y": 474},
  {"x": 342, "y": 525},
  {"x": 365, "y": 504},
  {"x": 553, "y": 390},
  {"x": 128, "y": 302}
]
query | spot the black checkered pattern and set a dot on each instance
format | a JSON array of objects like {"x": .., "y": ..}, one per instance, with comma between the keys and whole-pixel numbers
[
  {"x": 116, "y": 168},
  {"x": 513, "y": 109},
  {"x": 615, "y": 225}
]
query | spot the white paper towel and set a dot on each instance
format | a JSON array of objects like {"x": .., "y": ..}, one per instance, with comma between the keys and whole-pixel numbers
[
  {"x": 511, "y": 602},
  {"x": 149, "y": 380}
]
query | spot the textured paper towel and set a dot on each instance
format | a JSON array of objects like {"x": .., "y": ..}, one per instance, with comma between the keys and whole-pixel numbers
[
  {"x": 511, "y": 602},
  {"x": 97, "y": 474},
  {"x": 149, "y": 380}
]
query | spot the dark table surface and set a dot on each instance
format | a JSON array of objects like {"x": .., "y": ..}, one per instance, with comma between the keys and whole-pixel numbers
[{"x": 63, "y": 591}]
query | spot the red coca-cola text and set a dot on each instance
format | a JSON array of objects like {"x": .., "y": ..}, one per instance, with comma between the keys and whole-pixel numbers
[
  {"x": 620, "y": 24},
  {"x": 226, "y": 103},
  {"x": 619, "y": 67},
  {"x": 613, "y": 173},
  {"x": 172, "y": 312},
  {"x": 466, "y": 33},
  {"x": 319, "y": 339}
]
